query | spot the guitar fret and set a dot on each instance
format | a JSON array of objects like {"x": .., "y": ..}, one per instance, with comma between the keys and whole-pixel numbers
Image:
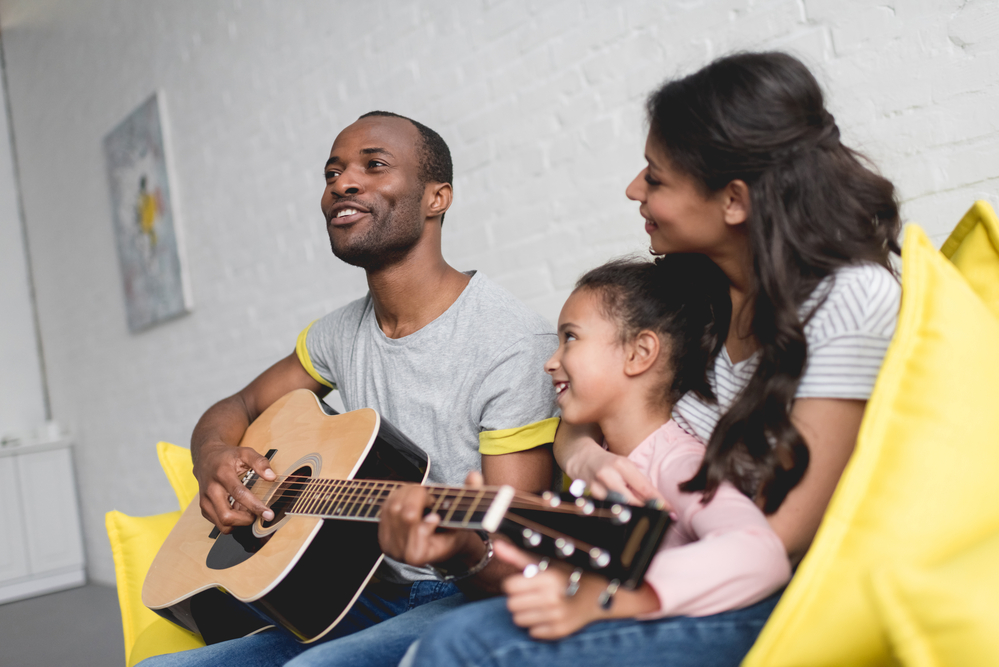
[
  {"x": 327, "y": 496},
  {"x": 470, "y": 512},
  {"x": 335, "y": 505},
  {"x": 358, "y": 490},
  {"x": 369, "y": 503},
  {"x": 344, "y": 498},
  {"x": 381, "y": 490},
  {"x": 454, "y": 506},
  {"x": 440, "y": 499},
  {"x": 314, "y": 488}
]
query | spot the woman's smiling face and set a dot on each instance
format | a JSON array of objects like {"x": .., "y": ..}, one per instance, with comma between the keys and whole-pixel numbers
[{"x": 679, "y": 216}]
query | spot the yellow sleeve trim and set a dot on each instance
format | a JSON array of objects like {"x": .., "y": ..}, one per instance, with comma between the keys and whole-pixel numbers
[
  {"x": 518, "y": 439},
  {"x": 306, "y": 361}
]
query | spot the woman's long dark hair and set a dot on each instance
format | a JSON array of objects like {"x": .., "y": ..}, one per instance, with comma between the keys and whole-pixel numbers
[{"x": 814, "y": 207}]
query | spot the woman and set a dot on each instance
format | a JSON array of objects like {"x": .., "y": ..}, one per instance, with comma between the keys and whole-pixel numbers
[{"x": 745, "y": 166}]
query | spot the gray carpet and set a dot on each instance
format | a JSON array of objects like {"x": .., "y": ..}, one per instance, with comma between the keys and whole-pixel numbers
[{"x": 80, "y": 627}]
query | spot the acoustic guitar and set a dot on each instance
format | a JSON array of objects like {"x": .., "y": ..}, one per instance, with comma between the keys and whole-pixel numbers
[{"x": 304, "y": 569}]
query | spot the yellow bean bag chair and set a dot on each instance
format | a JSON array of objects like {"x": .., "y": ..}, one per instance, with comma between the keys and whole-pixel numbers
[
  {"x": 944, "y": 614},
  {"x": 973, "y": 247},
  {"x": 920, "y": 487},
  {"x": 134, "y": 543}
]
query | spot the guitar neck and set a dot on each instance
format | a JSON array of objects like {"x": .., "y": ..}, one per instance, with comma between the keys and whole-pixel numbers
[
  {"x": 362, "y": 500},
  {"x": 613, "y": 539}
]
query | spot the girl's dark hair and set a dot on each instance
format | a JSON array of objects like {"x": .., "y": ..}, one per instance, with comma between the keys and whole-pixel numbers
[
  {"x": 682, "y": 298},
  {"x": 815, "y": 206}
]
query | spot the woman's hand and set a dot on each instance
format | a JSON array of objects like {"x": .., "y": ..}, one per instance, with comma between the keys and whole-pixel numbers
[
  {"x": 541, "y": 602},
  {"x": 581, "y": 457}
]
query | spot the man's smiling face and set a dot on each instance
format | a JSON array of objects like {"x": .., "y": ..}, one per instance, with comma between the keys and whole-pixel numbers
[{"x": 373, "y": 201}]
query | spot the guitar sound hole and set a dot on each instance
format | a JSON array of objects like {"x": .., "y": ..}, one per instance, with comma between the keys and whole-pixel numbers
[{"x": 287, "y": 494}]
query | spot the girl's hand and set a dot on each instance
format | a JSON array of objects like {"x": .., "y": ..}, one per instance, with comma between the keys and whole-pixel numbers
[
  {"x": 607, "y": 472},
  {"x": 580, "y": 455},
  {"x": 540, "y": 604}
]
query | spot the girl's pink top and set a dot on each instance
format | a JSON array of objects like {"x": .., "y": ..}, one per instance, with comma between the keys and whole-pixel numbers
[{"x": 715, "y": 557}]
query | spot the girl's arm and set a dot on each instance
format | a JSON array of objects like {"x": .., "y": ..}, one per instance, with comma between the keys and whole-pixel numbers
[
  {"x": 580, "y": 455},
  {"x": 540, "y": 604},
  {"x": 719, "y": 556},
  {"x": 829, "y": 427}
]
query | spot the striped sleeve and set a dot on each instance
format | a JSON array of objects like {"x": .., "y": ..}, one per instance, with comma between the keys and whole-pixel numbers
[{"x": 849, "y": 334}]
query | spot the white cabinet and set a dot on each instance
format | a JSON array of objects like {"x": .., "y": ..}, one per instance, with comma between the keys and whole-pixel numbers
[{"x": 41, "y": 547}]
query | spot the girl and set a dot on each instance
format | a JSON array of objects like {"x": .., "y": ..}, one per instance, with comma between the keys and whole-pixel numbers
[
  {"x": 634, "y": 337},
  {"x": 745, "y": 166}
]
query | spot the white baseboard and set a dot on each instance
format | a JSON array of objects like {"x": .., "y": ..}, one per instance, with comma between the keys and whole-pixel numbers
[{"x": 41, "y": 584}]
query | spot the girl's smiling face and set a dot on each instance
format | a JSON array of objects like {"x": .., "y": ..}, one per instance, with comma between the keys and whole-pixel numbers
[
  {"x": 587, "y": 369},
  {"x": 679, "y": 217}
]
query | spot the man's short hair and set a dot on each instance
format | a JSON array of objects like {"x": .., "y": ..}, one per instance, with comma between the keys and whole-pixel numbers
[{"x": 435, "y": 157}]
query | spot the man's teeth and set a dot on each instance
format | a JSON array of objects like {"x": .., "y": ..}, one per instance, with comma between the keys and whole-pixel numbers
[{"x": 346, "y": 211}]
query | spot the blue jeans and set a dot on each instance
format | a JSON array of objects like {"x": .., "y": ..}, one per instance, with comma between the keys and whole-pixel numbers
[
  {"x": 381, "y": 625},
  {"x": 483, "y": 633}
]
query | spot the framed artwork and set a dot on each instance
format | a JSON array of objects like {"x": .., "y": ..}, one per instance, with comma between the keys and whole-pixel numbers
[{"x": 146, "y": 228}]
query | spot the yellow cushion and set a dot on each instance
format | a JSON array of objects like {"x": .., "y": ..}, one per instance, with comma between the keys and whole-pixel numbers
[
  {"x": 162, "y": 637},
  {"x": 134, "y": 543},
  {"x": 973, "y": 247},
  {"x": 946, "y": 614},
  {"x": 920, "y": 485},
  {"x": 177, "y": 466}
]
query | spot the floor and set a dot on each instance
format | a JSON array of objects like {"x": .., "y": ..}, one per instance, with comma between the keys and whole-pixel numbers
[{"x": 80, "y": 627}]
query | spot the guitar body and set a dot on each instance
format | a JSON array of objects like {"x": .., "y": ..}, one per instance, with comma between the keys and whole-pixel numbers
[{"x": 301, "y": 572}]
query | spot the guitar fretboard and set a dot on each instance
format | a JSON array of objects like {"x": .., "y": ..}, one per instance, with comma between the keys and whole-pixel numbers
[{"x": 362, "y": 500}]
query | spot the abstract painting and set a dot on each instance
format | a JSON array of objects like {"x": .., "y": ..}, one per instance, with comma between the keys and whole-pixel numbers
[{"x": 145, "y": 223}]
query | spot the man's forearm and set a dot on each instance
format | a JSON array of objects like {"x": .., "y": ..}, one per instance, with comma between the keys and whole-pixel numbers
[{"x": 225, "y": 422}]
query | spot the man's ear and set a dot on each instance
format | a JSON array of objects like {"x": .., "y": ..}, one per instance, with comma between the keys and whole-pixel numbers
[
  {"x": 641, "y": 353},
  {"x": 437, "y": 197},
  {"x": 736, "y": 202}
]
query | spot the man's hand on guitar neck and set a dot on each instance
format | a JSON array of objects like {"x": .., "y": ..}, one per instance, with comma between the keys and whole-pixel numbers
[{"x": 406, "y": 535}]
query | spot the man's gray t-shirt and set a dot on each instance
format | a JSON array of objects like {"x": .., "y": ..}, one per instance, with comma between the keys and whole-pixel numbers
[{"x": 471, "y": 382}]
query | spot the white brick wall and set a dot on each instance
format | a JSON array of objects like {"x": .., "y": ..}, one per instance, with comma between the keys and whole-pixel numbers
[{"x": 541, "y": 102}]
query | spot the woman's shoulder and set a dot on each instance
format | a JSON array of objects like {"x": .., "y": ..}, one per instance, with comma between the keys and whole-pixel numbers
[{"x": 862, "y": 297}]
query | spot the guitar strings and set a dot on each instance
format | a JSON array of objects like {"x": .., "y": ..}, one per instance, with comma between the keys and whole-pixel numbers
[{"x": 366, "y": 492}]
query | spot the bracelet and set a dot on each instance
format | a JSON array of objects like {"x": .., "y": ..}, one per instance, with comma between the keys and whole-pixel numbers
[{"x": 447, "y": 576}]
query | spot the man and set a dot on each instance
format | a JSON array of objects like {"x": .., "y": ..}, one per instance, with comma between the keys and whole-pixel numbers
[{"x": 450, "y": 358}]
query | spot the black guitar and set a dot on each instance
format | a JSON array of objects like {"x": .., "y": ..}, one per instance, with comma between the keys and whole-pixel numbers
[{"x": 304, "y": 569}]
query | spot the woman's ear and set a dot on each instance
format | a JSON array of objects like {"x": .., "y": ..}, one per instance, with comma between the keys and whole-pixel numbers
[
  {"x": 736, "y": 202},
  {"x": 642, "y": 353}
]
